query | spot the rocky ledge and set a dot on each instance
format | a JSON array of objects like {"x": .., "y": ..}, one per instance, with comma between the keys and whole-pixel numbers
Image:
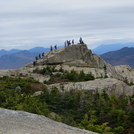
[
  {"x": 110, "y": 85},
  {"x": 16, "y": 122}
]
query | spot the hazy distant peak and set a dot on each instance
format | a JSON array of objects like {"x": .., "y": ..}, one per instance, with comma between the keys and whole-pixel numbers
[{"x": 111, "y": 47}]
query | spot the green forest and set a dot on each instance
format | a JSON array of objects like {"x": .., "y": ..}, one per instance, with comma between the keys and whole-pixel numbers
[{"x": 83, "y": 109}]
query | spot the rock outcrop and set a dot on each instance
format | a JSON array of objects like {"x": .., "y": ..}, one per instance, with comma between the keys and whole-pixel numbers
[
  {"x": 110, "y": 85},
  {"x": 74, "y": 55},
  {"x": 127, "y": 72},
  {"x": 79, "y": 57},
  {"x": 15, "y": 122}
]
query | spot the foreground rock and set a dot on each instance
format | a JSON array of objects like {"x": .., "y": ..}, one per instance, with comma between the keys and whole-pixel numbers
[
  {"x": 110, "y": 85},
  {"x": 13, "y": 122}
]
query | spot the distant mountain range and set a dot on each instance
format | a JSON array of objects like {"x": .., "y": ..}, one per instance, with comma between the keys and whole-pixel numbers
[
  {"x": 111, "y": 47},
  {"x": 124, "y": 56},
  {"x": 5, "y": 52},
  {"x": 16, "y": 58}
]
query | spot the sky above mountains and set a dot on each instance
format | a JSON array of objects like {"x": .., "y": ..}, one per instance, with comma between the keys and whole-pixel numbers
[{"x": 32, "y": 23}]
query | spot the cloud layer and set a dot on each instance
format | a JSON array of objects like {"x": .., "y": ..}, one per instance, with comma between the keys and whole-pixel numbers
[{"x": 29, "y": 23}]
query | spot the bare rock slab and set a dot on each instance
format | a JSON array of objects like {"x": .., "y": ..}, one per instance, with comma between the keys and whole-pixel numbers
[{"x": 16, "y": 122}]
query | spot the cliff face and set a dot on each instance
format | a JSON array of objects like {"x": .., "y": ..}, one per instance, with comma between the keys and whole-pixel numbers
[{"x": 14, "y": 122}]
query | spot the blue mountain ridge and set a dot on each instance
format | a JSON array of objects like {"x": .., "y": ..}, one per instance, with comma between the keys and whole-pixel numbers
[
  {"x": 111, "y": 47},
  {"x": 15, "y": 58},
  {"x": 124, "y": 56}
]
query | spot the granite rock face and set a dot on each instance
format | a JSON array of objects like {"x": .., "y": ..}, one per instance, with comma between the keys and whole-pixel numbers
[
  {"x": 74, "y": 55},
  {"x": 110, "y": 85},
  {"x": 15, "y": 122},
  {"x": 126, "y": 71},
  {"x": 79, "y": 56}
]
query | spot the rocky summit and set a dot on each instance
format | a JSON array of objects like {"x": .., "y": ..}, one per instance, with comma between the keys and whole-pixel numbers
[
  {"x": 81, "y": 58},
  {"x": 74, "y": 55},
  {"x": 15, "y": 122}
]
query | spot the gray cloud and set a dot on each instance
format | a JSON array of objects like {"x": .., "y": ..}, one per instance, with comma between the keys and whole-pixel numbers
[{"x": 30, "y": 23}]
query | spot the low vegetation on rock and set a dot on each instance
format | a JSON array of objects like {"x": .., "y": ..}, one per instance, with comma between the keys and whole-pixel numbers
[{"x": 63, "y": 75}]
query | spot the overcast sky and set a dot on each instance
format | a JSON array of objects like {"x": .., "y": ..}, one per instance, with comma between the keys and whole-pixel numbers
[{"x": 31, "y": 23}]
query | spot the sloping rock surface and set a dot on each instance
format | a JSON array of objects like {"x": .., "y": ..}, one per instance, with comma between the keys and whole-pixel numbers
[
  {"x": 110, "y": 85},
  {"x": 126, "y": 71},
  {"x": 15, "y": 122}
]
